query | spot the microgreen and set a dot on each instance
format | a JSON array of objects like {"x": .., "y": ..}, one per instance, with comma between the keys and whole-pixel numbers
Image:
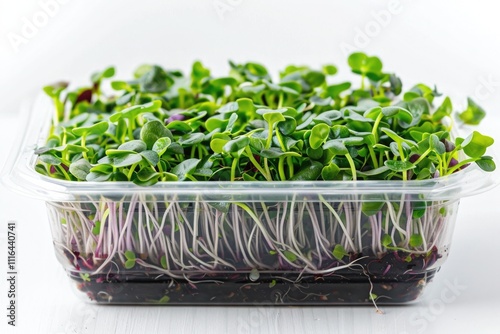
[
  {"x": 164, "y": 126},
  {"x": 300, "y": 128}
]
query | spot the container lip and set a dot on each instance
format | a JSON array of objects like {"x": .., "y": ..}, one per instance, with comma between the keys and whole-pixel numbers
[{"x": 20, "y": 176}]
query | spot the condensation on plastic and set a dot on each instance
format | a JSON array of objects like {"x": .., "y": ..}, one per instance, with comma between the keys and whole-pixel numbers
[{"x": 246, "y": 242}]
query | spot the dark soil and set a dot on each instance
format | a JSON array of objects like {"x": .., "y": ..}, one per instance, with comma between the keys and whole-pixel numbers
[{"x": 394, "y": 278}]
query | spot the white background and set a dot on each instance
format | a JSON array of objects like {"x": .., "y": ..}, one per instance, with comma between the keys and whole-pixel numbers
[{"x": 453, "y": 44}]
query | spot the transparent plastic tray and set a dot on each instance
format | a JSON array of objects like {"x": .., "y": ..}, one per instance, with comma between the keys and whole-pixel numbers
[{"x": 307, "y": 243}]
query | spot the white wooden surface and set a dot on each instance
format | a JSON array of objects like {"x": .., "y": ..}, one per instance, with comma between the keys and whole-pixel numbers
[{"x": 452, "y": 43}]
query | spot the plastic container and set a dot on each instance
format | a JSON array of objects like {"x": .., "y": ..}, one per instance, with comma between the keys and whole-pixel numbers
[{"x": 312, "y": 243}]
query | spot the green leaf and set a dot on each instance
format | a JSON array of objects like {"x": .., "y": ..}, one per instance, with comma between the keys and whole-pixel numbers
[
  {"x": 163, "y": 262},
  {"x": 107, "y": 73},
  {"x": 98, "y": 177},
  {"x": 315, "y": 154},
  {"x": 133, "y": 145},
  {"x": 330, "y": 172},
  {"x": 354, "y": 116},
  {"x": 134, "y": 111},
  {"x": 80, "y": 169},
  {"x": 322, "y": 102},
  {"x": 444, "y": 110},
  {"x": 334, "y": 91},
  {"x": 416, "y": 240},
  {"x": 436, "y": 144},
  {"x": 245, "y": 105},
  {"x": 207, "y": 172},
  {"x": 152, "y": 131},
  {"x": 70, "y": 148},
  {"x": 126, "y": 160},
  {"x": 129, "y": 255},
  {"x": 418, "y": 213},
  {"x": 112, "y": 153},
  {"x": 102, "y": 168},
  {"x": 386, "y": 240},
  {"x": 290, "y": 256},
  {"x": 288, "y": 126},
  {"x": 314, "y": 78},
  {"x": 475, "y": 144},
  {"x": 179, "y": 126},
  {"x": 154, "y": 80},
  {"x": 129, "y": 264},
  {"x": 340, "y": 131},
  {"x": 164, "y": 300},
  {"x": 231, "y": 122},
  {"x": 336, "y": 146},
  {"x": 146, "y": 176},
  {"x": 473, "y": 115},
  {"x": 217, "y": 145},
  {"x": 369, "y": 139},
  {"x": 55, "y": 90},
  {"x": 236, "y": 144},
  {"x": 360, "y": 63},
  {"x": 220, "y": 206},
  {"x": 486, "y": 163},
  {"x": 353, "y": 141},
  {"x": 96, "y": 230},
  {"x": 229, "y": 108},
  {"x": 151, "y": 157},
  {"x": 399, "y": 166},
  {"x": 328, "y": 117},
  {"x": 185, "y": 168},
  {"x": 95, "y": 129},
  {"x": 329, "y": 69},
  {"x": 396, "y": 84},
  {"x": 373, "y": 112},
  {"x": 290, "y": 87},
  {"x": 247, "y": 178},
  {"x": 398, "y": 112},
  {"x": 221, "y": 82},
  {"x": 214, "y": 123},
  {"x": 417, "y": 107},
  {"x": 198, "y": 73},
  {"x": 370, "y": 208},
  {"x": 309, "y": 173},
  {"x": 393, "y": 135},
  {"x": 161, "y": 145},
  {"x": 357, "y": 60},
  {"x": 256, "y": 71},
  {"x": 121, "y": 130},
  {"x": 273, "y": 116},
  {"x": 166, "y": 176},
  {"x": 339, "y": 252},
  {"x": 275, "y": 152},
  {"x": 50, "y": 159},
  {"x": 319, "y": 134},
  {"x": 120, "y": 85},
  {"x": 374, "y": 172},
  {"x": 191, "y": 139}
]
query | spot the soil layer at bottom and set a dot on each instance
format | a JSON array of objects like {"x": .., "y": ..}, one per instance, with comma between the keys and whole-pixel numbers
[{"x": 239, "y": 289}]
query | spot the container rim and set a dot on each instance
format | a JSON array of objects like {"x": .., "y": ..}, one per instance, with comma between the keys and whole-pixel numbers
[{"x": 20, "y": 176}]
